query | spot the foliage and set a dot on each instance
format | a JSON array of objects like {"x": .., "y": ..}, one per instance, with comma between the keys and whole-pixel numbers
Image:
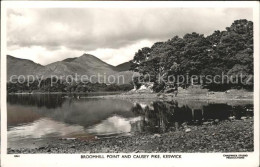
[{"x": 227, "y": 52}]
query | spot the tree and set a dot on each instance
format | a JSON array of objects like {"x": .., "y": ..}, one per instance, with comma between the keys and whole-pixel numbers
[{"x": 229, "y": 52}]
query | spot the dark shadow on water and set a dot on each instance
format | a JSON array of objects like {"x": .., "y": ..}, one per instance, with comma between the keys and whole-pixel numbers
[
  {"x": 40, "y": 100},
  {"x": 49, "y": 101},
  {"x": 159, "y": 116}
]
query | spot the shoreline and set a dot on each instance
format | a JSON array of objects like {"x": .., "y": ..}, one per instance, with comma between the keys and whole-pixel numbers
[
  {"x": 239, "y": 95},
  {"x": 225, "y": 136},
  {"x": 219, "y": 96},
  {"x": 46, "y": 93}
]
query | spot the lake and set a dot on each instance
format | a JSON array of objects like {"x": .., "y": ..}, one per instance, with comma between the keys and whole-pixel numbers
[{"x": 43, "y": 117}]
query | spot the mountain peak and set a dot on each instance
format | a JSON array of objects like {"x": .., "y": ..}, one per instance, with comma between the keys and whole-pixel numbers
[
  {"x": 89, "y": 57},
  {"x": 86, "y": 54}
]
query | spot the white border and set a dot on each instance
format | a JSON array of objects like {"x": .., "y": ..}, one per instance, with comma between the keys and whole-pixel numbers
[{"x": 188, "y": 159}]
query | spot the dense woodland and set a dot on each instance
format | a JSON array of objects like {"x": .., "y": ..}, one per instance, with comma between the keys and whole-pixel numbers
[{"x": 227, "y": 52}]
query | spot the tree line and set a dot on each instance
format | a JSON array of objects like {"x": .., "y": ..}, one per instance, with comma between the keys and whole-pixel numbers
[
  {"x": 228, "y": 52},
  {"x": 47, "y": 85}
]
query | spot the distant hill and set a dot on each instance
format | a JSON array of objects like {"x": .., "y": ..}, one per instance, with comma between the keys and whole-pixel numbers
[
  {"x": 86, "y": 64},
  {"x": 83, "y": 65},
  {"x": 124, "y": 66},
  {"x": 69, "y": 59},
  {"x": 17, "y": 66}
]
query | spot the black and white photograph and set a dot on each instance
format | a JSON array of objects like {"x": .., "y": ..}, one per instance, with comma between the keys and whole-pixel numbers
[{"x": 102, "y": 81}]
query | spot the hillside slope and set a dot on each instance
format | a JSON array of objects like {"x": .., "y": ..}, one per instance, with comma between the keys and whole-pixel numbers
[
  {"x": 16, "y": 66},
  {"x": 86, "y": 64},
  {"x": 124, "y": 66}
]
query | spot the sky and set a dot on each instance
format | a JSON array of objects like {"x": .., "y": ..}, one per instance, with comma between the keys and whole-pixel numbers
[{"x": 47, "y": 35}]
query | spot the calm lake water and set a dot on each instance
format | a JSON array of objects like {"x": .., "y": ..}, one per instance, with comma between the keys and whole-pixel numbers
[{"x": 36, "y": 118}]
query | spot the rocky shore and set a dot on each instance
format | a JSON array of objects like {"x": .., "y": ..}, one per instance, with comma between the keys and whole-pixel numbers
[{"x": 223, "y": 136}]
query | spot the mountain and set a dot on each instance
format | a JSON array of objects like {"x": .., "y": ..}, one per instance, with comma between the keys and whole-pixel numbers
[
  {"x": 83, "y": 65},
  {"x": 17, "y": 66},
  {"x": 69, "y": 59},
  {"x": 124, "y": 66},
  {"x": 86, "y": 64}
]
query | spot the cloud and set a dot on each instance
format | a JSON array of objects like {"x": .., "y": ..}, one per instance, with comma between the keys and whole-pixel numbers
[
  {"x": 111, "y": 32},
  {"x": 124, "y": 54},
  {"x": 44, "y": 56}
]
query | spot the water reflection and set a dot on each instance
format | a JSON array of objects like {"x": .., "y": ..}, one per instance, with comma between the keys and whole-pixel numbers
[
  {"x": 43, "y": 100},
  {"x": 114, "y": 125},
  {"x": 43, "y": 128},
  {"x": 47, "y": 116},
  {"x": 48, "y": 100},
  {"x": 161, "y": 116}
]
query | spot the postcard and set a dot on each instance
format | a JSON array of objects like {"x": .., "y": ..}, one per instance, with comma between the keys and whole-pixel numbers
[{"x": 129, "y": 83}]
